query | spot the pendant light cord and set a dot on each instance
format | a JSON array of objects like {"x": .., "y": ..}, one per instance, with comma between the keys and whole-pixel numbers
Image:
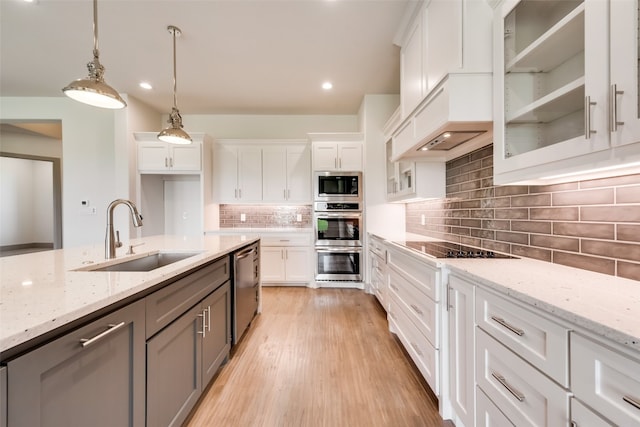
[
  {"x": 175, "y": 73},
  {"x": 96, "y": 53}
]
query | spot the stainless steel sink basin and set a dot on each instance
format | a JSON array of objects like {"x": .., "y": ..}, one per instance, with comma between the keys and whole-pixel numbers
[{"x": 146, "y": 263}]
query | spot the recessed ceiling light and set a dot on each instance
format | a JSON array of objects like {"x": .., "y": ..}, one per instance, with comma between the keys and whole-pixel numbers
[
  {"x": 145, "y": 85},
  {"x": 327, "y": 85}
]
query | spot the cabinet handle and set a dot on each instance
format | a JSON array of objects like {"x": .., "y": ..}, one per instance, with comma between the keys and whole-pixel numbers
[
  {"x": 166, "y": 162},
  {"x": 282, "y": 254},
  {"x": 239, "y": 193},
  {"x": 448, "y": 300},
  {"x": 587, "y": 117},
  {"x": 631, "y": 401},
  {"x": 286, "y": 254},
  {"x": 416, "y": 348},
  {"x": 171, "y": 161},
  {"x": 209, "y": 318},
  {"x": 574, "y": 424},
  {"x": 235, "y": 194},
  {"x": 508, "y": 386},
  {"x": 395, "y": 288},
  {"x": 340, "y": 163},
  {"x": 416, "y": 309},
  {"x": 288, "y": 194},
  {"x": 501, "y": 321},
  {"x": 85, "y": 342},
  {"x": 335, "y": 162},
  {"x": 284, "y": 193},
  {"x": 613, "y": 108},
  {"x": 204, "y": 323}
]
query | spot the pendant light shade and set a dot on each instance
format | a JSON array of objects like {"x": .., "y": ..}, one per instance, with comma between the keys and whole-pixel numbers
[
  {"x": 174, "y": 133},
  {"x": 93, "y": 90}
]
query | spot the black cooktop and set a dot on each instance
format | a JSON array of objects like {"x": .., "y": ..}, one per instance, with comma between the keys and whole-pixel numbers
[{"x": 442, "y": 249}]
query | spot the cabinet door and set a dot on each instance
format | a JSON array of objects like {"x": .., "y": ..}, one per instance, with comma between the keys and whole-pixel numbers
[
  {"x": 226, "y": 174},
  {"x": 298, "y": 264},
  {"x": 274, "y": 174},
  {"x": 172, "y": 392},
  {"x": 298, "y": 175},
  {"x": 272, "y": 264},
  {"x": 249, "y": 174},
  {"x": 461, "y": 348},
  {"x": 152, "y": 156},
  {"x": 488, "y": 414},
  {"x": 216, "y": 342},
  {"x": 581, "y": 416},
  {"x": 350, "y": 156},
  {"x": 411, "y": 77},
  {"x": 186, "y": 157},
  {"x": 625, "y": 69},
  {"x": 69, "y": 381},
  {"x": 325, "y": 156}
]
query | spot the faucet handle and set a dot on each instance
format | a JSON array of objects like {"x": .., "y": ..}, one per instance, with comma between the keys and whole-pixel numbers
[
  {"x": 130, "y": 251},
  {"x": 118, "y": 243}
]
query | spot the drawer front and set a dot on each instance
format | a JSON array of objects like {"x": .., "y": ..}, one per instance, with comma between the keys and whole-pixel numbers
[
  {"x": 488, "y": 414},
  {"x": 541, "y": 342},
  {"x": 416, "y": 271},
  {"x": 170, "y": 302},
  {"x": 525, "y": 395},
  {"x": 424, "y": 355},
  {"x": 422, "y": 310},
  {"x": 377, "y": 247},
  {"x": 607, "y": 381},
  {"x": 581, "y": 416},
  {"x": 290, "y": 239}
]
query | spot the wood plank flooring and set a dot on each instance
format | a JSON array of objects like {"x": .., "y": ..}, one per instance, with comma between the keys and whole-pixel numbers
[{"x": 318, "y": 357}]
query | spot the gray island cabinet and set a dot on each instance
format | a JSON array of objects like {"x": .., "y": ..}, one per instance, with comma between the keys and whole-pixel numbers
[{"x": 146, "y": 363}]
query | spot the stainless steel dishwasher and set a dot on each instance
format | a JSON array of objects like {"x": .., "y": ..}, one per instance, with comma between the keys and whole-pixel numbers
[{"x": 246, "y": 290}]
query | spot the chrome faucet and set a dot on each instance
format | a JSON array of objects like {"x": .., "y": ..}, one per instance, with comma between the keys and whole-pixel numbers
[{"x": 112, "y": 240}]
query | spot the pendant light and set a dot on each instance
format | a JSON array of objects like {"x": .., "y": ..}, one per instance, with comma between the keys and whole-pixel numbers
[
  {"x": 174, "y": 133},
  {"x": 93, "y": 90}
]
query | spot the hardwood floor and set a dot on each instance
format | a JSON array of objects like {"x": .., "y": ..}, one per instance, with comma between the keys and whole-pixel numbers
[{"x": 318, "y": 357}]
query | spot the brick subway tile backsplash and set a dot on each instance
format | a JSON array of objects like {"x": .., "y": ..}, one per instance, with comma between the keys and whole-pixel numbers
[
  {"x": 265, "y": 216},
  {"x": 593, "y": 225}
]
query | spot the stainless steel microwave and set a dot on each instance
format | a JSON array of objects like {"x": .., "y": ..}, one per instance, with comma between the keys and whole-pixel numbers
[{"x": 338, "y": 186}]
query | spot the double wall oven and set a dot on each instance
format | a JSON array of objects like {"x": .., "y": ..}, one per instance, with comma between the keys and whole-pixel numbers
[{"x": 338, "y": 226}]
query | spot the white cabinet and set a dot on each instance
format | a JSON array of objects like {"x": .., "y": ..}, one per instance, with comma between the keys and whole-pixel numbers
[
  {"x": 238, "y": 173},
  {"x": 409, "y": 181},
  {"x": 286, "y": 258},
  {"x": 337, "y": 151},
  {"x": 161, "y": 157},
  {"x": 411, "y": 76},
  {"x": 378, "y": 276},
  {"x": 461, "y": 351},
  {"x": 581, "y": 416},
  {"x": 286, "y": 174},
  {"x": 565, "y": 88},
  {"x": 488, "y": 414},
  {"x": 605, "y": 379}
]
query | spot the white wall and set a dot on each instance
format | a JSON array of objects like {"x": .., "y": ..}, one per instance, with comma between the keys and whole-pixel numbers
[{"x": 381, "y": 217}]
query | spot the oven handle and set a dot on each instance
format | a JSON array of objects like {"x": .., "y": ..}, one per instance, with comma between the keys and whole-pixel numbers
[
  {"x": 337, "y": 215},
  {"x": 354, "y": 249}
]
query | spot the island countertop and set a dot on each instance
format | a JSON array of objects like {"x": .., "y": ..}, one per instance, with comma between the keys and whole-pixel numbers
[{"x": 42, "y": 291}]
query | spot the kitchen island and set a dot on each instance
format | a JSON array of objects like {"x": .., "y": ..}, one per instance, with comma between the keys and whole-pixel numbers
[{"x": 151, "y": 339}]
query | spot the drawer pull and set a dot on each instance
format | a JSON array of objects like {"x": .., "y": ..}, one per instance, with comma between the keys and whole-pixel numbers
[
  {"x": 500, "y": 320},
  {"x": 508, "y": 386},
  {"x": 631, "y": 401},
  {"x": 85, "y": 342},
  {"x": 417, "y": 310},
  {"x": 204, "y": 323},
  {"x": 417, "y": 349},
  {"x": 395, "y": 288}
]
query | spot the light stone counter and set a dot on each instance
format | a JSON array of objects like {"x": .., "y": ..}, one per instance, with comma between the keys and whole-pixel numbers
[
  {"x": 605, "y": 305},
  {"x": 40, "y": 292}
]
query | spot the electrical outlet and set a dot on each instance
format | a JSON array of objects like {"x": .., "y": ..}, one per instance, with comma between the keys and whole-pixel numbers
[
  {"x": 422, "y": 219},
  {"x": 298, "y": 217},
  {"x": 243, "y": 217}
]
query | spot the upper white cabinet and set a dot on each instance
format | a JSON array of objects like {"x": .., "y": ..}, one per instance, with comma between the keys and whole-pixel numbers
[
  {"x": 445, "y": 80},
  {"x": 337, "y": 151},
  {"x": 566, "y": 88},
  {"x": 160, "y": 157},
  {"x": 286, "y": 174},
  {"x": 238, "y": 173}
]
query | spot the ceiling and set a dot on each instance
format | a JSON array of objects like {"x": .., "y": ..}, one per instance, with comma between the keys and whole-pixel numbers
[{"x": 234, "y": 56}]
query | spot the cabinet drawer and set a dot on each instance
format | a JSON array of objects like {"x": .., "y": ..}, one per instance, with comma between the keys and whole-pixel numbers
[
  {"x": 417, "y": 345},
  {"x": 415, "y": 270},
  {"x": 581, "y": 416},
  {"x": 525, "y": 395},
  {"x": 289, "y": 239},
  {"x": 377, "y": 247},
  {"x": 541, "y": 342},
  {"x": 170, "y": 302},
  {"x": 422, "y": 310},
  {"x": 606, "y": 380},
  {"x": 488, "y": 414}
]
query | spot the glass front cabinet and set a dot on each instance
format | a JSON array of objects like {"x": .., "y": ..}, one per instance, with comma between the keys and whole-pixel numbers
[{"x": 566, "y": 82}]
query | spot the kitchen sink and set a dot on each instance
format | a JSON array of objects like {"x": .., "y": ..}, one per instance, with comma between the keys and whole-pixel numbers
[{"x": 145, "y": 263}]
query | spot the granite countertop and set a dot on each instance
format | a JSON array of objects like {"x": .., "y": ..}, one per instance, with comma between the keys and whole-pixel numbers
[
  {"x": 605, "y": 305},
  {"x": 41, "y": 291}
]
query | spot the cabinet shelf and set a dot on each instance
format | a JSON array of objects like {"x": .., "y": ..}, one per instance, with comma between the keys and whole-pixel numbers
[
  {"x": 562, "y": 41},
  {"x": 567, "y": 99}
]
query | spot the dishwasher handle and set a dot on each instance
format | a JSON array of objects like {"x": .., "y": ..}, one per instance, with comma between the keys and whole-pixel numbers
[{"x": 245, "y": 253}]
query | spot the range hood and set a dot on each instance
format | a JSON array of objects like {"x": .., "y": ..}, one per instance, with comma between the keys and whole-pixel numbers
[{"x": 453, "y": 119}]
